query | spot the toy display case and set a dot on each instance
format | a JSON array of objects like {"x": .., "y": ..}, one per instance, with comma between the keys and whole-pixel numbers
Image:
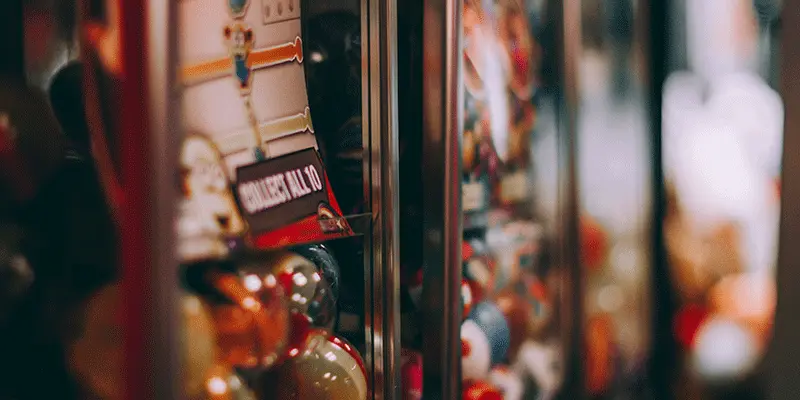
[
  {"x": 249, "y": 161},
  {"x": 397, "y": 199},
  {"x": 615, "y": 191},
  {"x": 487, "y": 225},
  {"x": 276, "y": 95},
  {"x": 722, "y": 133}
]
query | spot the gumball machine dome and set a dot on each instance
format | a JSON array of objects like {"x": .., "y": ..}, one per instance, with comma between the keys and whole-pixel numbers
[
  {"x": 311, "y": 302},
  {"x": 320, "y": 255},
  {"x": 329, "y": 368},
  {"x": 251, "y": 318},
  {"x": 205, "y": 376}
]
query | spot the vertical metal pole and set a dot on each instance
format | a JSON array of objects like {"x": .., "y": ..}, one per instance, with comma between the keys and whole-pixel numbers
[
  {"x": 384, "y": 160},
  {"x": 441, "y": 129},
  {"x": 370, "y": 157},
  {"x": 390, "y": 212},
  {"x": 569, "y": 38}
]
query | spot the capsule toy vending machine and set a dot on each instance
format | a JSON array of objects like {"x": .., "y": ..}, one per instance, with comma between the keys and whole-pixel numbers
[
  {"x": 722, "y": 133},
  {"x": 615, "y": 191},
  {"x": 282, "y": 208},
  {"x": 270, "y": 273},
  {"x": 486, "y": 170}
]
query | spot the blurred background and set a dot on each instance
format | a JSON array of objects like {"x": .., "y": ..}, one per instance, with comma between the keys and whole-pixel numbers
[{"x": 619, "y": 172}]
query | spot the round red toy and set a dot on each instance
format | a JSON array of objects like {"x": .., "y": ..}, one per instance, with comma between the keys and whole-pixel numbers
[
  {"x": 481, "y": 390},
  {"x": 476, "y": 353},
  {"x": 594, "y": 243},
  {"x": 411, "y": 374}
]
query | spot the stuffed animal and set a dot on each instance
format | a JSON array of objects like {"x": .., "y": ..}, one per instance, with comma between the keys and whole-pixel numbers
[{"x": 208, "y": 211}]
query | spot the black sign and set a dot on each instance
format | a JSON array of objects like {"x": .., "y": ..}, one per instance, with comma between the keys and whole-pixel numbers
[{"x": 281, "y": 190}]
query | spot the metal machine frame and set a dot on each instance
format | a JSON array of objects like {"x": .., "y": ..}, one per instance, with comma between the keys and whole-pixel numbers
[
  {"x": 149, "y": 40},
  {"x": 780, "y": 367},
  {"x": 442, "y": 126}
]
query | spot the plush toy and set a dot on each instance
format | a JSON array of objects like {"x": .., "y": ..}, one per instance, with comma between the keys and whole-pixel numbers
[{"x": 208, "y": 211}]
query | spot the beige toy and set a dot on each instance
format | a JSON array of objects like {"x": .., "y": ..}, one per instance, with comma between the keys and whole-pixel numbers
[{"x": 208, "y": 211}]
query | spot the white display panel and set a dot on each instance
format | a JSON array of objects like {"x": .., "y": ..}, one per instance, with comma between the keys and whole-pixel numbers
[{"x": 242, "y": 73}]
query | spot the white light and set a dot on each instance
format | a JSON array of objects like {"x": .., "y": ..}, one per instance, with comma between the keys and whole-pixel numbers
[
  {"x": 299, "y": 279},
  {"x": 252, "y": 283},
  {"x": 724, "y": 350},
  {"x": 610, "y": 298},
  {"x": 330, "y": 356},
  {"x": 249, "y": 303},
  {"x": 317, "y": 57},
  {"x": 217, "y": 386},
  {"x": 315, "y": 276},
  {"x": 294, "y": 352},
  {"x": 270, "y": 281},
  {"x": 466, "y": 294},
  {"x": 270, "y": 359},
  {"x": 625, "y": 260}
]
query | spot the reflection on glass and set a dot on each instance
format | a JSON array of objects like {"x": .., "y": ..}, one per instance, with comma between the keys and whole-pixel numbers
[
  {"x": 510, "y": 333},
  {"x": 614, "y": 189},
  {"x": 51, "y": 39}
]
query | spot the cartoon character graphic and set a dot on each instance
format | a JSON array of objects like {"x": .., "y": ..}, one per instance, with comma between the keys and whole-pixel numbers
[
  {"x": 240, "y": 42},
  {"x": 238, "y": 8}
]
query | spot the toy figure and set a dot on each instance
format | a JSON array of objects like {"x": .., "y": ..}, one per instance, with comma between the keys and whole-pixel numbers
[{"x": 240, "y": 41}]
